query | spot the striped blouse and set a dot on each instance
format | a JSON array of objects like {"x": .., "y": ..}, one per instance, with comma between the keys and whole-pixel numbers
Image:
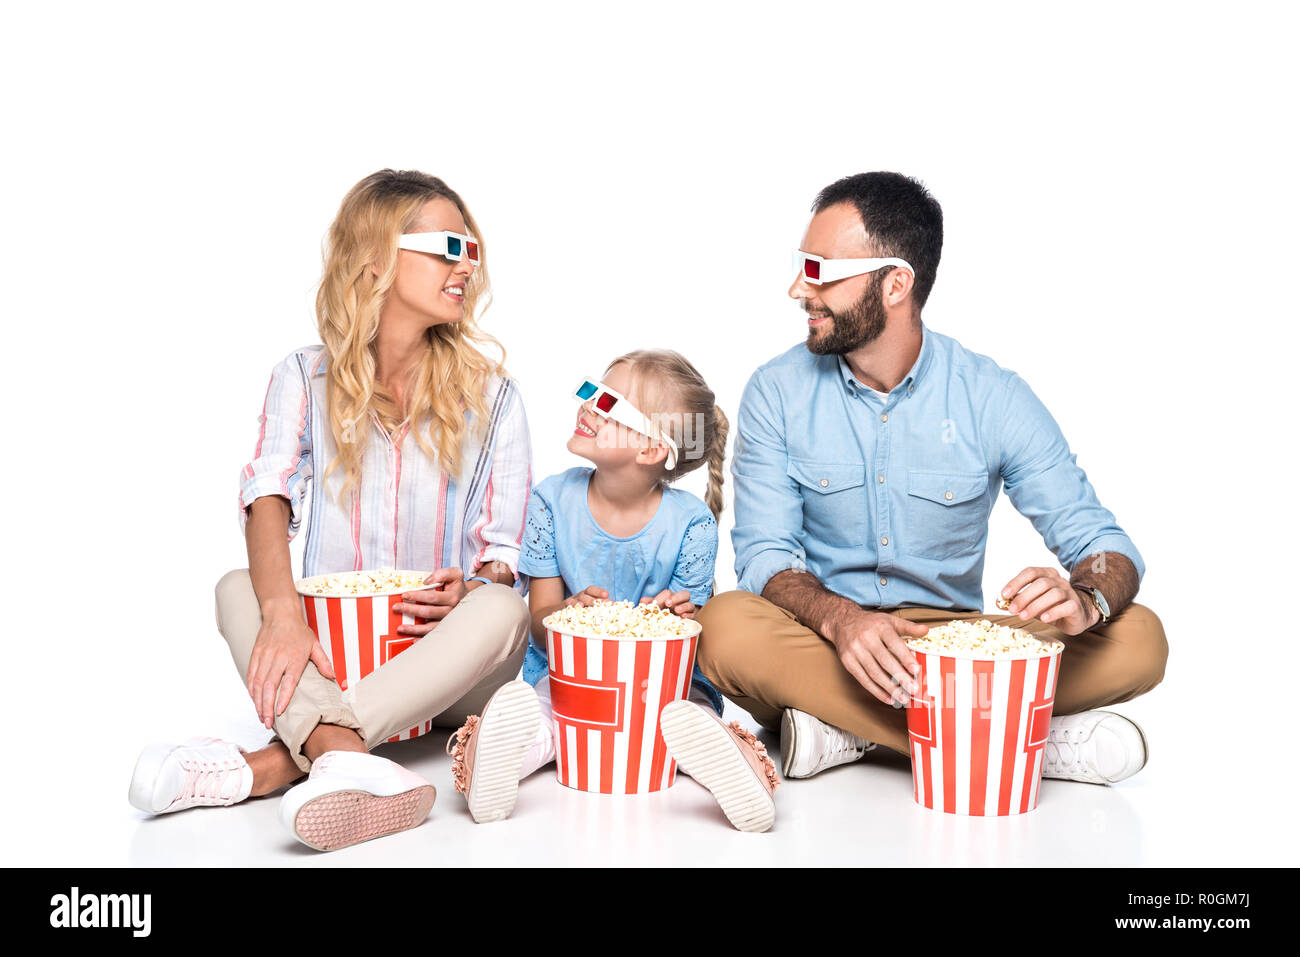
[{"x": 407, "y": 511}]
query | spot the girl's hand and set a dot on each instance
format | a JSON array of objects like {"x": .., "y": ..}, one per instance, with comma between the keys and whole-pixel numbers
[
  {"x": 585, "y": 597},
  {"x": 446, "y": 589},
  {"x": 679, "y": 603}
]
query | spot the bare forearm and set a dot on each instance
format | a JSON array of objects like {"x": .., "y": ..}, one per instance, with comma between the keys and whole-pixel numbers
[
  {"x": 808, "y": 599},
  {"x": 1112, "y": 574},
  {"x": 537, "y": 613},
  {"x": 499, "y": 572},
  {"x": 269, "y": 564}
]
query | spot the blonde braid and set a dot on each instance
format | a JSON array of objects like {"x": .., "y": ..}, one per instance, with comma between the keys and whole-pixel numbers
[{"x": 717, "y": 454}]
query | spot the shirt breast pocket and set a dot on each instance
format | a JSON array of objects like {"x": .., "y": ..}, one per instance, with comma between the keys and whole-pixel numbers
[
  {"x": 946, "y": 513},
  {"x": 834, "y": 506}
]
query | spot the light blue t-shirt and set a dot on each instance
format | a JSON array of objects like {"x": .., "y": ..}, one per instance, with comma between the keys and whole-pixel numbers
[{"x": 676, "y": 550}]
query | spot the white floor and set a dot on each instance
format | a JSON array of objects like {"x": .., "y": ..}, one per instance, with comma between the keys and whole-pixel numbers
[
  {"x": 1218, "y": 790},
  {"x": 862, "y": 814}
]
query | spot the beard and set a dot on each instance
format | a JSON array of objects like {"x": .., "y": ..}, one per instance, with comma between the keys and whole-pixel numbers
[{"x": 861, "y": 323}]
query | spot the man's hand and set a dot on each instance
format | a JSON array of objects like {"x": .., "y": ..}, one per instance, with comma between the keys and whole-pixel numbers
[
  {"x": 585, "y": 597},
  {"x": 871, "y": 648},
  {"x": 446, "y": 589},
  {"x": 1044, "y": 594},
  {"x": 679, "y": 603},
  {"x": 284, "y": 646}
]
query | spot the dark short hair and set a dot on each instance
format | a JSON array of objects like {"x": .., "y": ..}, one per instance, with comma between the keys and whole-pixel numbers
[{"x": 902, "y": 217}]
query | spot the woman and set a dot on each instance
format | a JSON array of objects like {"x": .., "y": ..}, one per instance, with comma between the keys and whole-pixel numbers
[{"x": 415, "y": 448}]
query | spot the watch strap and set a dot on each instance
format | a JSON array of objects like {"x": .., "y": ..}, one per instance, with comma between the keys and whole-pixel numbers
[{"x": 1098, "y": 601}]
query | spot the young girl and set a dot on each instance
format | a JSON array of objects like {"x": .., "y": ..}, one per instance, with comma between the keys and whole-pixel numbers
[{"x": 620, "y": 531}]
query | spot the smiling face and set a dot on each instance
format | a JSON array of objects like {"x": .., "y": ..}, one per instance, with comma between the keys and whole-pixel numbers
[
  {"x": 848, "y": 313},
  {"x": 602, "y": 440},
  {"x": 428, "y": 287}
]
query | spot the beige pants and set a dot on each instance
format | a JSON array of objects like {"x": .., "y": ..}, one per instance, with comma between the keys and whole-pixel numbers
[
  {"x": 761, "y": 657},
  {"x": 445, "y": 676}
]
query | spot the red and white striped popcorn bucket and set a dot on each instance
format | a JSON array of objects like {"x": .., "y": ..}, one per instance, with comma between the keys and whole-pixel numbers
[
  {"x": 359, "y": 633},
  {"x": 606, "y": 694},
  {"x": 977, "y": 730}
]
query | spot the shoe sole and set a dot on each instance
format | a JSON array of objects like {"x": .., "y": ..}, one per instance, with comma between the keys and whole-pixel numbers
[
  {"x": 708, "y": 753},
  {"x": 343, "y": 818},
  {"x": 511, "y": 718},
  {"x": 789, "y": 744}
]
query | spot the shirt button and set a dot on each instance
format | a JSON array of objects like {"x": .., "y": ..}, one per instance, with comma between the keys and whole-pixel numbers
[
  {"x": 911, "y": 389},
  {"x": 948, "y": 496},
  {"x": 884, "y": 417},
  {"x": 884, "y": 581},
  {"x": 880, "y": 479},
  {"x": 825, "y": 482},
  {"x": 884, "y": 540}
]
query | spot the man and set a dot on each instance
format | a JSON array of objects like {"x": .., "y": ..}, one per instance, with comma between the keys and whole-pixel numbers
[{"x": 867, "y": 461}]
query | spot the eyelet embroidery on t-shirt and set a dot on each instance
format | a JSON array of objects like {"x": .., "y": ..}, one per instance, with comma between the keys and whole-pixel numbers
[
  {"x": 697, "y": 546},
  {"x": 539, "y": 533}
]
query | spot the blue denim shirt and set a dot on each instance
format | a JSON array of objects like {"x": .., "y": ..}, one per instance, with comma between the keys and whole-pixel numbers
[{"x": 887, "y": 501}]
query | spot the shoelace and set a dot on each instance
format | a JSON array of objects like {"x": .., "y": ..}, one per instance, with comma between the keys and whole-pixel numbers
[
  {"x": 205, "y": 781},
  {"x": 1058, "y": 743},
  {"x": 841, "y": 742}
]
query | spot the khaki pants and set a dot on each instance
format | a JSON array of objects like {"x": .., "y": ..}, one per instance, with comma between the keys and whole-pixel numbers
[
  {"x": 445, "y": 676},
  {"x": 762, "y": 658}
]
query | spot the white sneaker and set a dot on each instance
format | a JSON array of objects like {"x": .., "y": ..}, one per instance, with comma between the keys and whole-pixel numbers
[
  {"x": 1095, "y": 747},
  {"x": 200, "y": 772},
  {"x": 728, "y": 760},
  {"x": 810, "y": 746},
  {"x": 487, "y": 752},
  {"x": 351, "y": 797}
]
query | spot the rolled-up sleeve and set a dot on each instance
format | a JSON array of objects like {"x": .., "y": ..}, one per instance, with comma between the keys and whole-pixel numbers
[
  {"x": 769, "y": 507},
  {"x": 282, "y": 456},
  {"x": 1046, "y": 485},
  {"x": 496, "y": 533}
]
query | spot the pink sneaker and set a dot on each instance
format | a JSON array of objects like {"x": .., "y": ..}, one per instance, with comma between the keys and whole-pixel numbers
[
  {"x": 728, "y": 760},
  {"x": 200, "y": 772},
  {"x": 351, "y": 797},
  {"x": 487, "y": 752}
]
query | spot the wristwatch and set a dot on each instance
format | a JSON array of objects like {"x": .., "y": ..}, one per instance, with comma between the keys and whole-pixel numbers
[{"x": 1098, "y": 599}]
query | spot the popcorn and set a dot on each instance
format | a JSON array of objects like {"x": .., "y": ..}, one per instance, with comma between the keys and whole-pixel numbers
[
  {"x": 984, "y": 640},
  {"x": 351, "y": 584},
  {"x": 619, "y": 619},
  {"x": 1003, "y": 603}
]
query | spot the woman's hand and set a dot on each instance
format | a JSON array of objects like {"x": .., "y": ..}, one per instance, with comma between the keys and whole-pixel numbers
[
  {"x": 679, "y": 603},
  {"x": 446, "y": 589},
  {"x": 284, "y": 646},
  {"x": 585, "y": 597}
]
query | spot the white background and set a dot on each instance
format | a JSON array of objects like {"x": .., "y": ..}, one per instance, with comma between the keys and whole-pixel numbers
[{"x": 1120, "y": 200}]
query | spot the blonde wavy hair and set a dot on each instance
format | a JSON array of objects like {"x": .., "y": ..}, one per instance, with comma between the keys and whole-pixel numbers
[
  {"x": 675, "y": 397},
  {"x": 448, "y": 379}
]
